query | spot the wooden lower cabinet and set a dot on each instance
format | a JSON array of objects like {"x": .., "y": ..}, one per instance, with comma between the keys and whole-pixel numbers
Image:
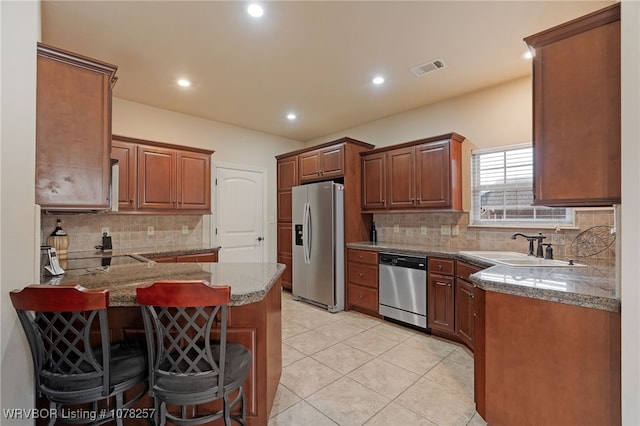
[
  {"x": 185, "y": 258},
  {"x": 465, "y": 301},
  {"x": 285, "y": 253},
  {"x": 441, "y": 296},
  {"x": 546, "y": 363},
  {"x": 362, "y": 281}
]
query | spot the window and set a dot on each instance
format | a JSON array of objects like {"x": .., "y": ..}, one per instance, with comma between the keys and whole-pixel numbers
[{"x": 502, "y": 190}]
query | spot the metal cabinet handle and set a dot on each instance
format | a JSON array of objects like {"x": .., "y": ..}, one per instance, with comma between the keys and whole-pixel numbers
[
  {"x": 361, "y": 274},
  {"x": 439, "y": 266}
]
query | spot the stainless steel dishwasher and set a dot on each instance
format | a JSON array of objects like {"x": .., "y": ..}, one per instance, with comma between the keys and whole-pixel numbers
[{"x": 403, "y": 288}]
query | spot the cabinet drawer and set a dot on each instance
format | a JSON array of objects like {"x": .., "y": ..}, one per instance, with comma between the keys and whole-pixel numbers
[
  {"x": 463, "y": 270},
  {"x": 202, "y": 257},
  {"x": 362, "y": 274},
  {"x": 441, "y": 266},
  {"x": 362, "y": 256},
  {"x": 363, "y": 297}
]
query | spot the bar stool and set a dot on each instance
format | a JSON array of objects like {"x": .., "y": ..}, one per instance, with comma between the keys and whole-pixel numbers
[
  {"x": 187, "y": 366},
  {"x": 68, "y": 369}
]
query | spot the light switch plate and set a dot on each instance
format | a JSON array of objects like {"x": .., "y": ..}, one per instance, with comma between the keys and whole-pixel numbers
[
  {"x": 396, "y": 229},
  {"x": 150, "y": 230},
  {"x": 455, "y": 230},
  {"x": 445, "y": 229},
  {"x": 185, "y": 229},
  {"x": 105, "y": 230},
  {"x": 423, "y": 230}
]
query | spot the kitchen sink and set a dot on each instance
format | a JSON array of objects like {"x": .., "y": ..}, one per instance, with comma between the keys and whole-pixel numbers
[{"x": 512, "y": 258}]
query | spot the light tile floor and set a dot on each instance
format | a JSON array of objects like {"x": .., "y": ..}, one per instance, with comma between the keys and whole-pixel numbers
[{"x": 351, "y": 369}]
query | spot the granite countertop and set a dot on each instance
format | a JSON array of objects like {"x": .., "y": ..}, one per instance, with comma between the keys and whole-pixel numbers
[
  {"x": 249, "y": 282},
  {"x": 593, "y": 286},
  {"x": 144, "y": 252}
]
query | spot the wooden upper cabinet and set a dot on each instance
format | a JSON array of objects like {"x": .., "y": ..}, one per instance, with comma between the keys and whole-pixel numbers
[
  {"x": 287, "y": 173},
  {"x": 576, "y": 111},
  {"x": 374, "y": 181},
  {"x": 126, "y": 154},
  {"x": 287, "y": 179},
  {"x": 193, "y": 181},
  {"x": 162, "y": 178},
  {"x": 156, "y": 178},
  {"x": 423, "y": 174},
  {"x": 401, "y": 178},
  {"x": 322, "y": 164},
  {"x": 439, "y": 175},
  {"x": 73, "y": 131}
]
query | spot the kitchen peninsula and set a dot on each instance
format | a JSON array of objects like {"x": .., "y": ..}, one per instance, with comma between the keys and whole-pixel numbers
[{"x": 254, "y": 317}]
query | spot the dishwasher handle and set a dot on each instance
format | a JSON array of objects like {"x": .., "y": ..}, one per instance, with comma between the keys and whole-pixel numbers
[{"x": 402, "y": 261}]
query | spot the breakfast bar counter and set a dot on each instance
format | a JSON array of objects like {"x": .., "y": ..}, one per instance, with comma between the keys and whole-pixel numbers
[{"x": 255, "y": 319}]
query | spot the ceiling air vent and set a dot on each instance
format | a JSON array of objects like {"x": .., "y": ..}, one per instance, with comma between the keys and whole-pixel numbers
[{"x": 423, "y": 69}]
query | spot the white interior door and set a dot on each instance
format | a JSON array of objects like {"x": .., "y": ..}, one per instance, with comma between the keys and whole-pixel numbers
[{"x": 240, "y": 213}]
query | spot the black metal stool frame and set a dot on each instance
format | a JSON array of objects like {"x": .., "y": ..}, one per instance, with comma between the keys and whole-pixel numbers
[
  {"x": 67, "y": 369},
  {"x": 186, "y": 367}
]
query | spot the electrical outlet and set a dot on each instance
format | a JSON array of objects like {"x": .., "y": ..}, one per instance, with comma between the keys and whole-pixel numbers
[
  {"x": 445, "y": 229},
  {"x": 396, "y": 229},
  {"x": 150, "y": 230},
  {"x": 455, "y": 230},
  {"x": 423, "y": 230},
  {"x": 105, "y": 230},
  {"x": 185, "y": 229}
]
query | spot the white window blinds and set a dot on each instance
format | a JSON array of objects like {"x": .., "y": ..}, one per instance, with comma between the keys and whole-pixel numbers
[{"x": 502, "y": 190}]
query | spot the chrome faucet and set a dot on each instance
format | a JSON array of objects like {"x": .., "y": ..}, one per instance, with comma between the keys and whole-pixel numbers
[{"x": 532, "y": 239}]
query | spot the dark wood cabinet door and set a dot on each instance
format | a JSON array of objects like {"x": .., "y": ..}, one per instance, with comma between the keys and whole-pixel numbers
[
  {"x": 400, "y": 179},
  {"x": 322, "y": 164},
  {"x": 287, "y": 173},
  {"x": 193, "y": 181},
  {"x": 285, "y": 252},
  {"x": 576, "y": 117},
  {"x": 433, "y": 175},
  {"x": 309, "y": 166},
  {"x": 374, "y": 181},
  {"x": 332, "y": 162},
  {"x": 287, "y": 179},
  {"x": 440, "y": 312},
  {"x": 197, "y": 258},
  {"x": 465, "y": 312},
  {"x": 126, "y": 154},
  {"x": 156, "y": 178},
  {"x": 73, "y": 131}
]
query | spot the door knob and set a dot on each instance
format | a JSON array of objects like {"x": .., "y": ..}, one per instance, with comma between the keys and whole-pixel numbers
[{"x": 260, "y": 238}]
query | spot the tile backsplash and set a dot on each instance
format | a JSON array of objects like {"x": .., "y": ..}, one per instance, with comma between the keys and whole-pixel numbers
[
  {"x": 127, "y": 231},
  {"x": 427, "y": 229}
]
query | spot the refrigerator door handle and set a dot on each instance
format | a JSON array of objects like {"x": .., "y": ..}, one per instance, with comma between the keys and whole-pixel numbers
[{"x": 306, "y": 238}]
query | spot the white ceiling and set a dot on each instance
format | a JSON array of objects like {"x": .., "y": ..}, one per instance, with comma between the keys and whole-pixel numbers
[{"x": 314, "y": 58}]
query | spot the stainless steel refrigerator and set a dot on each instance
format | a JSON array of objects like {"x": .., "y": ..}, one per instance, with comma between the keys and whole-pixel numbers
[{"x": 318, "y": 244}]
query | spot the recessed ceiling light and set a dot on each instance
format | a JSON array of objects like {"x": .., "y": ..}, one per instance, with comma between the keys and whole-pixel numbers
[
  {"x": 255, "y": 10},
  {"x": 184, "y": 82},
  {"x": 378, "y": 80},
  {"x": 291, "y": 116}
]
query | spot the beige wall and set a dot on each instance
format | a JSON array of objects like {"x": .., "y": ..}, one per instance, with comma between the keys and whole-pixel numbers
[
  {"x": 496, "y": 116},
  {"x": 231, "y": 145},
  {"x": 20, "y": 30},
  {"x": 630, "y": 224}
]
